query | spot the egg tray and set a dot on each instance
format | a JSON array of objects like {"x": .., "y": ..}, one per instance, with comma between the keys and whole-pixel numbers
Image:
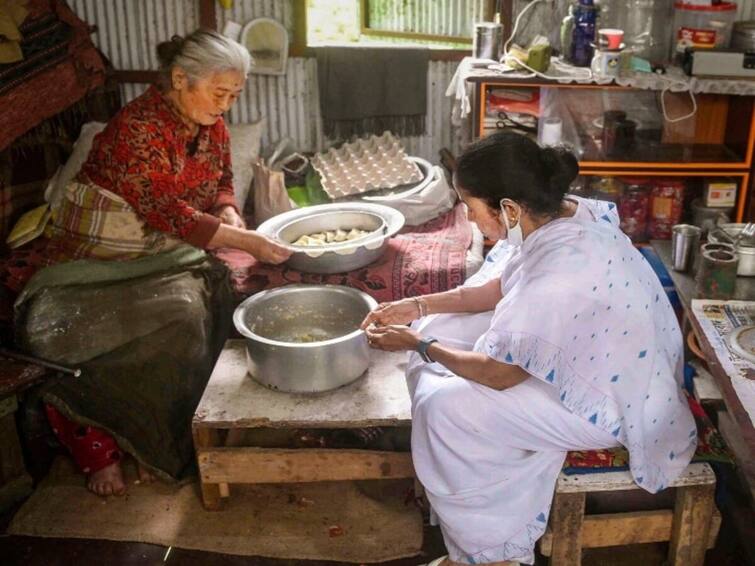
[{"x": 377, "y": 162}]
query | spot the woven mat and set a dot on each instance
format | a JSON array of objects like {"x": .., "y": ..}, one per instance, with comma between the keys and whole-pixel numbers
[{"x": 363, "y": 522}]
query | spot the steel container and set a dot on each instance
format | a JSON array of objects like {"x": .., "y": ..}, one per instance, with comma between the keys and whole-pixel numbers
[
  {"x": 745, "y": 249},
  {"x": 382, "y": 221},
  {"x": 305, "y": 338},
  {"x": 685, "y": 240}
]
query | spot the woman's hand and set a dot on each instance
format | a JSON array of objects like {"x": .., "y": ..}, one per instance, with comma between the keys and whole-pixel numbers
[
  {"x": 265, "y": 249},
  {"x": 228, "y": 215},
  {"x": 393, "y": 338},
  {"x": 397, "y": 312}
]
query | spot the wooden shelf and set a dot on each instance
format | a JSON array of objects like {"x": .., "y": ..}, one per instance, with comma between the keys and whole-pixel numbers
[{"x": 718, "y": 142}]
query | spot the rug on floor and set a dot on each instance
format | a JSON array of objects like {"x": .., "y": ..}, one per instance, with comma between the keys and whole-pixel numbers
[{"x": 364, "y": 522}]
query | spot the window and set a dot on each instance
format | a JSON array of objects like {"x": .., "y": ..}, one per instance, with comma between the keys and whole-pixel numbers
[{"x": 441, "y": 24}]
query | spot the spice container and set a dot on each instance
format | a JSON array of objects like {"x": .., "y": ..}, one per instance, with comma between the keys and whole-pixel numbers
[
  {"x": 634, "y": 206},
  {"x": 666, "y": 200}
]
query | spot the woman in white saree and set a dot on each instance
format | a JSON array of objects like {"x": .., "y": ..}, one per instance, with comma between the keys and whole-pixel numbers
[{"x": 564, "y": 341}]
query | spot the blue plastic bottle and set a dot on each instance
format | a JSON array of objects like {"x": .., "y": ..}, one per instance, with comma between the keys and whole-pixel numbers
[{"x": 583, "y": 36}]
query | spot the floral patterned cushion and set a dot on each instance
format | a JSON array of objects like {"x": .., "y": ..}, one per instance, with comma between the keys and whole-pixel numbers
[{"x": 710, "y": 448}]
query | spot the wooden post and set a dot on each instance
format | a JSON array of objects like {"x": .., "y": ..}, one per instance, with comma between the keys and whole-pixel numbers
[
  {"x": 567, "y": 515},
  {"x": 692, "y": 518},
  {"x": 298, "y": 44},
  {"x": 211, "y": 496},
  {"x": 207, "y": 17}
]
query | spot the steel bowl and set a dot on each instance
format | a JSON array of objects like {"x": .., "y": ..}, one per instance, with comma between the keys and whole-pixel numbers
[
  {"x": 382, "y": 221},
  {"x": 745, "y": 249},
  {"x": 305, "y": 338}
]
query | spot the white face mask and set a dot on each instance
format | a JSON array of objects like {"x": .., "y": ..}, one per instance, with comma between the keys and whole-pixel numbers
[{"x": 514, "y": 234}]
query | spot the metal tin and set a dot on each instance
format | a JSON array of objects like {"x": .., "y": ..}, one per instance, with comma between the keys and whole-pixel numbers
[{"x": 487, "y": 40}]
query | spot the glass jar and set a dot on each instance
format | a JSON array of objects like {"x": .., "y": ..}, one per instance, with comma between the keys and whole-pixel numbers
[
  {"x": 634, "y": 206},
  {"x": 666, "y": 200}
]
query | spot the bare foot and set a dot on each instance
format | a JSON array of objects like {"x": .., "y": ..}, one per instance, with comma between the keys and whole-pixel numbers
[
  {"x": 107, "y": 481},
  {"x": 145, "y": 476}
]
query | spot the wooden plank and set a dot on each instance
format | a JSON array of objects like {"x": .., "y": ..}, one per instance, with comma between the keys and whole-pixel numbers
[
  {"x": 205, "y": 438},
  {"x": 566, "y": 522},
  {"x": 612, "y": 529},
  {"x": 207, "y": 18},
  {"x": 277, "y": 465},
  {"x": 636, "y": 527},
  {"x": 695, "y": 474},
  {"x": 298, "y": 45},
  {"x": 693, "y": 513}
]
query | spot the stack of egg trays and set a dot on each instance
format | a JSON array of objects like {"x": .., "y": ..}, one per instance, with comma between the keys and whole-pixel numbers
[{"x": 378, "y": 162}]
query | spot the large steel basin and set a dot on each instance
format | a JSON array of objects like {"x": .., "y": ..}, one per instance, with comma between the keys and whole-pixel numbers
[{"x": 305, "y": 338}]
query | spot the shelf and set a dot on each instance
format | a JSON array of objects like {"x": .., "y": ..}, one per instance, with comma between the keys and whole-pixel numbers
[{"x": 671, "y": 156}]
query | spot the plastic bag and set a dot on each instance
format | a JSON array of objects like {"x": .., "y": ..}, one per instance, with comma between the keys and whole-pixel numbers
[
  {"x": 270, "y": 195},
  {"x": 435, "y": 199}
]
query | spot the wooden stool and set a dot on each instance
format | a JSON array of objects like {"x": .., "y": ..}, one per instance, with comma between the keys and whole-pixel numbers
[
  {"x": 233, "y": 405},
  {"x": 691, "y": 527}
]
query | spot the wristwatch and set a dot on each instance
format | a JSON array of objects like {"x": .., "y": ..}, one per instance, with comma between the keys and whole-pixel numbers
[{"x": 422, "y": 347}]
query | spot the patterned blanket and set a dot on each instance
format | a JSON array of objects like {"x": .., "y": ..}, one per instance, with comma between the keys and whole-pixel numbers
[
  {"x": 710, "y": 448},
  {"x": 421, "y": 259}
]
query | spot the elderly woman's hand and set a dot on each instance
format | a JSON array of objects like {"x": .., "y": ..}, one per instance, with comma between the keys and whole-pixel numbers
[
  {"x": 228, "y": 215},
  {"x": 397, "y": 312},
  {"x": 393, "y": 338},
  {"x": 266, "y": 250}
]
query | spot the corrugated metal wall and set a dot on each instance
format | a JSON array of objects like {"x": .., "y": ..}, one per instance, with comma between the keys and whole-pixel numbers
[{"x": 129, "y": 30}]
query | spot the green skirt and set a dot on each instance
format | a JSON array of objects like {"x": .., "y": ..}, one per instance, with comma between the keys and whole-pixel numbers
[{"x": 146, "y": 334}]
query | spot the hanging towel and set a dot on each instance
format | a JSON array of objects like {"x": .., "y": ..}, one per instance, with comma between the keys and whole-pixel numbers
[{"x": 370, "y": 90}]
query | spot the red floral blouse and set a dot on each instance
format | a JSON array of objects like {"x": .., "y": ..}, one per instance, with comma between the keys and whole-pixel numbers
[{"x": 174, "y": 180}]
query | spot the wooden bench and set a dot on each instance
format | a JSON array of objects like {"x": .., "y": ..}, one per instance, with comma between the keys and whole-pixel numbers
[{"x": 690, "y": 527}]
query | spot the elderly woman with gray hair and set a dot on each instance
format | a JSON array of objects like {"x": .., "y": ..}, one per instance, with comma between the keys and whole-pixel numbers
[{"x": 137, "y": 303}]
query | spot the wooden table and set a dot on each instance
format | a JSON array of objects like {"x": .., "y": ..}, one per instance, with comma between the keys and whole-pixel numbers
[
  {"x": 234, "y": 403},
  {"x": 735, "y": 424}
]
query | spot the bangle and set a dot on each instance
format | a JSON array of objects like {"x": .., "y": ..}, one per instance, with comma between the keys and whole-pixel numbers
[{"x": 421, "y": 306}]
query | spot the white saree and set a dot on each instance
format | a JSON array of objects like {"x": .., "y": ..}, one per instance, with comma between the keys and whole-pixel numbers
[{"x": 585, "y": 315}]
